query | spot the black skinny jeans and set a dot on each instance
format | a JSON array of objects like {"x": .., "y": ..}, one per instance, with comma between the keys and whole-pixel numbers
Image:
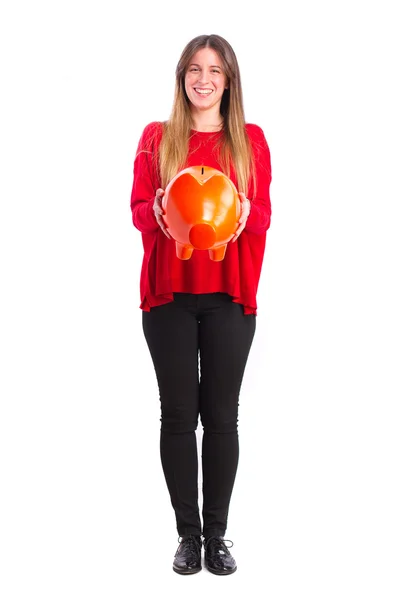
[{"x": 212, "y": 328}]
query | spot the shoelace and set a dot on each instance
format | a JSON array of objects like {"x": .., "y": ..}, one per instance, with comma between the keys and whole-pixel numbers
[
  {"x": 191, "y": 544},
  {"x": 218, "y": 545}
]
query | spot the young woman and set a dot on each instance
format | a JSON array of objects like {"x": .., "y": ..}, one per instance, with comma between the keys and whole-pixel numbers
[{"x": 200, "y": 314}]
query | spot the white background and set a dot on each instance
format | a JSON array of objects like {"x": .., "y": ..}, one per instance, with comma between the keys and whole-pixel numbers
[{"x": 84, "y": 507}]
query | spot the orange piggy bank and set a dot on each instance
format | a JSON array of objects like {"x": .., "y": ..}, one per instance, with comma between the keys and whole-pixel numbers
[{"x": 202, "y": 210}]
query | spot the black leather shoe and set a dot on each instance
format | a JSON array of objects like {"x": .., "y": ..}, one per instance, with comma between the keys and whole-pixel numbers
[
  {"x": 188, "y": 556},
  {"x": 217, "y": 558}
]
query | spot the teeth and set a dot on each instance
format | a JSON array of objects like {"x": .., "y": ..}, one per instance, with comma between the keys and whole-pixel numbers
[{"x": 204, "y": 92}]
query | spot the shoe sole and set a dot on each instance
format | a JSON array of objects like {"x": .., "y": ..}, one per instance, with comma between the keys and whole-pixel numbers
[
  {"x": 187, "y": 572},
  {"x": 215, "y": 572}
]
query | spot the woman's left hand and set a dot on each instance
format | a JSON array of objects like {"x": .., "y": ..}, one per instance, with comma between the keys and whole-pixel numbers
[{"x": 245, "y": 206}]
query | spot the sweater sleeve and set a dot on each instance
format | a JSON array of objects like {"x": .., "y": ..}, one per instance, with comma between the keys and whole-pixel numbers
[
  {"x": 145, "y": 182},
  {"x": 260, "y": 214}
]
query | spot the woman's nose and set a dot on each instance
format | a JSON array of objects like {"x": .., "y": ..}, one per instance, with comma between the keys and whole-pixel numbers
[{"x": 203, "y": 78}]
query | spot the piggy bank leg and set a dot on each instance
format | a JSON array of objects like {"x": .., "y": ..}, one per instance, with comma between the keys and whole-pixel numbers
[
  {"x": 217, "y": 253},
  {"x": 183, "y": 251}
]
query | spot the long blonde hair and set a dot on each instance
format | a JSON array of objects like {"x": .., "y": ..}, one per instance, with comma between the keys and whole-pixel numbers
[{"x": 234, "y": 147}]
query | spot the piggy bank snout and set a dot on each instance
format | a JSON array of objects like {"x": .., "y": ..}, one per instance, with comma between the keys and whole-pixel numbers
[{"x": 202, "y": 236}]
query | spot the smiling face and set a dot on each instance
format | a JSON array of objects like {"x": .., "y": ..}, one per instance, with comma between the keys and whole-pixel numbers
[{"x": 205, "y": 81}]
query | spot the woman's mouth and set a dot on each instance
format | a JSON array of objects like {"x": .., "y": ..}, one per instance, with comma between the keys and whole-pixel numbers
[{"x": 203, "y": 91}]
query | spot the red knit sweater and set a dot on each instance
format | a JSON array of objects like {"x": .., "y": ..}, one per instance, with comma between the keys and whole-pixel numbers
[{"x": 162, "y": 272}]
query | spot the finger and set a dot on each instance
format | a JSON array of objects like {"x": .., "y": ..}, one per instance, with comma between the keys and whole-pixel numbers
[
  {"x": 158, "y": 210},
  {"x": 164, "y": 230},
  {"x": 158, "y": 206},
  {"x": 238, "y": 232}
]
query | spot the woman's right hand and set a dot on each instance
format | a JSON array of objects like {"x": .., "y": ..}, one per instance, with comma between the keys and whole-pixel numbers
[{"x": 159, "y": 212}]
